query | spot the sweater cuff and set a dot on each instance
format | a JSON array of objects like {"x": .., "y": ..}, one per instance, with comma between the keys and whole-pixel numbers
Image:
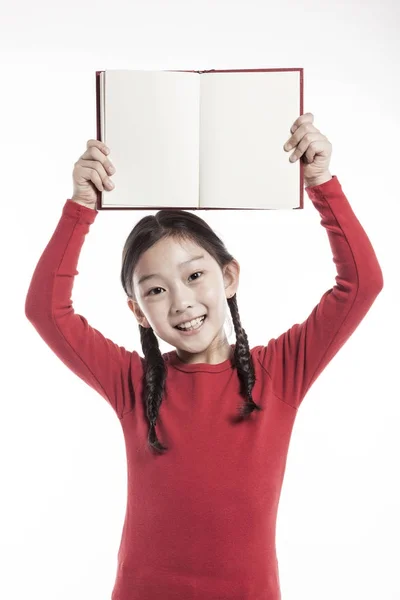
[
  {"x": 330, "y": 187},
  {"x": 83, "y": 214}
]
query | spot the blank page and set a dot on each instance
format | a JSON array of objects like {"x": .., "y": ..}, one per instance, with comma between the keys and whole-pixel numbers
[
  {"x": 245, "y": 119},
  {"x": 151, "y": 125}
]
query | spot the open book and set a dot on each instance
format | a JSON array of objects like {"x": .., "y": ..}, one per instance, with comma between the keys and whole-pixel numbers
[{"x": 200, "y": 139}]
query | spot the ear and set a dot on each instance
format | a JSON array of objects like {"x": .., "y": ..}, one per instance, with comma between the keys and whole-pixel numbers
[
  {"x": 231, "y": 277},
  {"x": 140, "y": 317}
]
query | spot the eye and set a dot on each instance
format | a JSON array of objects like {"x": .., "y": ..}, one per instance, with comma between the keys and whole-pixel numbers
[
  {"x": 201, "y": 272},
  {"x": 152, "y": 290},
  {"x": 149, "y": 293}
]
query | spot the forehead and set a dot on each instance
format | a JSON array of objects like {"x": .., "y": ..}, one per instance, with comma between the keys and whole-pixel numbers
[{"x": 167, "y": 254}]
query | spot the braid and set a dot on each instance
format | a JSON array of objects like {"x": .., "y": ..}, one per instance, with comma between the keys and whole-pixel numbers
[
  {"x": 243, "y": 361},
  {"x": 155, "y": 373}
]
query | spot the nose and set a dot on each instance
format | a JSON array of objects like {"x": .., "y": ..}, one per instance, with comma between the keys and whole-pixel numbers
[
  {"x": 182, "y": 299},
  {"x": 181, "y": 306}
]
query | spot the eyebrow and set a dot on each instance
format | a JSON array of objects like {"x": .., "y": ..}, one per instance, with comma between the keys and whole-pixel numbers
[{"x": 145, "y": 277}]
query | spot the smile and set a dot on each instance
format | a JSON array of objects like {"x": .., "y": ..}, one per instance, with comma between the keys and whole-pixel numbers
[{"x": 196, "y": 327}]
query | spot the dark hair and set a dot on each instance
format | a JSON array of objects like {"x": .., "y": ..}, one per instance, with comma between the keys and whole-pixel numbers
[{"x": 182, "y": 225}]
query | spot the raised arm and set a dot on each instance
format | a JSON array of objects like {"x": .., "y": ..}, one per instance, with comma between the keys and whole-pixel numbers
[
  {"x": 296, "y": 358},
  {"x": 102, "y": 364}
]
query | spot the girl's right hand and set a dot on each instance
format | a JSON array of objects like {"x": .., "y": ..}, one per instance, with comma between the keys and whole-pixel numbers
[{"x": 91, "y": 174}]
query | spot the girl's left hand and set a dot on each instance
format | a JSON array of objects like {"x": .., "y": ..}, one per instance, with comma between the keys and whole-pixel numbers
[{"x": 311, "y": 146}]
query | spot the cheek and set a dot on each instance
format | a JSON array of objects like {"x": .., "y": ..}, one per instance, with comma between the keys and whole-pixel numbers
[
  {"x": 157, "y": 318},
  {"x": 214, "y": 294},
  {"x": 154, "y": 317}
]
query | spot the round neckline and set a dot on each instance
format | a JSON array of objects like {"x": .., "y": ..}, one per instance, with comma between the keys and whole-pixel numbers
[{"x": 174, "y": 361}]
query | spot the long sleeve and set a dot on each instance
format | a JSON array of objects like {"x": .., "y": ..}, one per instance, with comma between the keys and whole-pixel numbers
[
  {"x": 98, "y": 361},
  {"x": 296, "y": 358}
]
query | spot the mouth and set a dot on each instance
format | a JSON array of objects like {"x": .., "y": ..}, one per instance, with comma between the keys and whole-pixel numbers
[{"x": 193, "y": 329}]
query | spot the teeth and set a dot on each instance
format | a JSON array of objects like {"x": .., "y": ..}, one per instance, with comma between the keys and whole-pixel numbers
[{"x": 190, "y": 324}]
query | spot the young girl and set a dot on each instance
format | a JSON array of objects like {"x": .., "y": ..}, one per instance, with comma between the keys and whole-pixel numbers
[{"x": 202, "y": 504}]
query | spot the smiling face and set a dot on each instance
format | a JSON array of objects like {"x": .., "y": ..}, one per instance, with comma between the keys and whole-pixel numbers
[{"x": 179, "y": 291}]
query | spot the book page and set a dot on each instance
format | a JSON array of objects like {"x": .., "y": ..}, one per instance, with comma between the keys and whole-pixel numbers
[
  {"x": 245, "y": 119},
  {"x": 151, "y": 125}
]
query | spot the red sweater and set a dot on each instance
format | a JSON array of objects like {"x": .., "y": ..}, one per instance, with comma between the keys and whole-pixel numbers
[{"x": 200, "y": 520}]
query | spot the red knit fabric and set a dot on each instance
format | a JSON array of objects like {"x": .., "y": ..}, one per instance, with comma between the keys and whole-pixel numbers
[{"x": 200, "y": 519}]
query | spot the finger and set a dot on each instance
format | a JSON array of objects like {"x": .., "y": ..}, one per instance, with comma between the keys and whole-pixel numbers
[
  {"x": 94, "y": 164},
  {"x": 94, "y": 153},
  {"x": 89, "y": 174},
  {"x": 102, "y": 177},
  {"x": 101, "y": 145},
  {"x": 306, "y": 118},
  {"x": 302, "y": 147},
  {"x": 314, "y": 148},
  {"x": 300, "y": 133}
]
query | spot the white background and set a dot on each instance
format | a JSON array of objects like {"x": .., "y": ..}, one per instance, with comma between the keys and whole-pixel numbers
[{"x": 63, "y": 467}]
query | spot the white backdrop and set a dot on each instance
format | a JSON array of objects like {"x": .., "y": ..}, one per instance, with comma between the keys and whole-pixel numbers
[{"x": 63, "y": 466}]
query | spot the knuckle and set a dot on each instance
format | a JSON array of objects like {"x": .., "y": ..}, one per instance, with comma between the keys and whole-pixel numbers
[{"x": 94, "y": 152}]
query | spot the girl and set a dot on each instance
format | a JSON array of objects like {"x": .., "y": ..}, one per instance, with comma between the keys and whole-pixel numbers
[{"x": 201, "y": 510}]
